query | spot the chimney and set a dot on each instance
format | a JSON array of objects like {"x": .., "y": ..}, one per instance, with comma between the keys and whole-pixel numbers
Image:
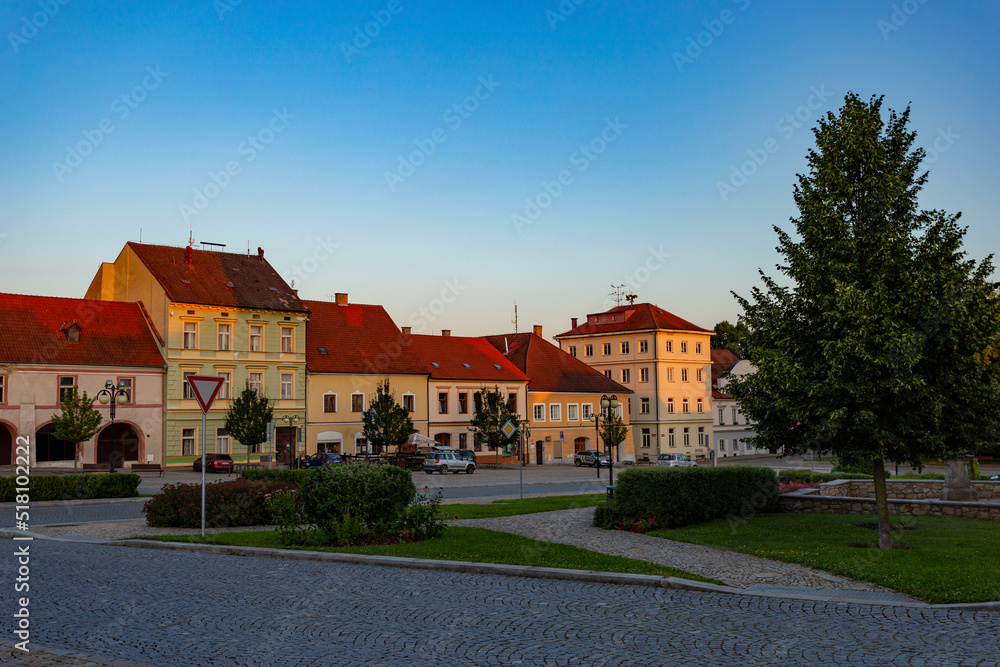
[
  {"x": 537, "y": 329},
  {"x": 572, "y": 322},
  {"x": 187, "y": 255},
  {"x": 445, "y": 332},
  {"x": 260, "y": 253},
  {"x": 295, "y": 292},
  {"x": 406, "y": 331},
  {"x": 341, "y": 298}
]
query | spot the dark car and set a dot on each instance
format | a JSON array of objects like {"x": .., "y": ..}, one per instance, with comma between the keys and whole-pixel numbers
[
  {"x": 325, "y": 459},
  {"x": 215, "y": 463},
  {"x": 587, "y": 457},
  {"x": 467, "y": 454}
]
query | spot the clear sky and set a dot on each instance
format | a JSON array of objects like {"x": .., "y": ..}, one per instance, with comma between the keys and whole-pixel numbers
[{"x": 458, "y": 157}]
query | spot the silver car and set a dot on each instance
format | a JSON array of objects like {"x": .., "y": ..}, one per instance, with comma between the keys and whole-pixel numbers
[
  {"x": 443, "y": 462},
  {"x": 675, "y": 461}
]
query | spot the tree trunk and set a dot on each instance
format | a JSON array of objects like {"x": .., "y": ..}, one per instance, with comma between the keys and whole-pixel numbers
[
  {"x": 881, "y": 504},
  {"x": 76, "y": 458}
]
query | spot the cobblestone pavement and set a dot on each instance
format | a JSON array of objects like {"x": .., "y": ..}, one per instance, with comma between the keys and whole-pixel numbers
[
  {"x": 735, "y": 569},
  {"x": 185, "y": 608},
  {"x": 76, "y": 512}
]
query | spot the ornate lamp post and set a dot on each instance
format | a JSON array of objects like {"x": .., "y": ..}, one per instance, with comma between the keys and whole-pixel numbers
[
  {"x": 290, "y": 420},
  {"x": 114, "y": 396},
  {"x": 607, "y": 403}
]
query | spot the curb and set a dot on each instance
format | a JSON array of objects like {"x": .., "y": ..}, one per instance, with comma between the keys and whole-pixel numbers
[{"x": 77, "y": 502}]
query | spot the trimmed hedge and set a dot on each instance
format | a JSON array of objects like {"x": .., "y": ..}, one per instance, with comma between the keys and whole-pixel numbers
[
  {"x": 287, "y": 474},
  {"x": 240, "y": 502},
  {"x": 357, "y": 497},
  {"x": 72, "y": 487},
  {"x": 800, "y": 475},
  {"x": 674, "y": 497}
]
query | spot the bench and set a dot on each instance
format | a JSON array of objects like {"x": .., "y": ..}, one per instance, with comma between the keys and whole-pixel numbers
[
  {"x": 242, "y": 467},
  {"x": 95, "y": 467},
  {"x": 148, "y": 467}
]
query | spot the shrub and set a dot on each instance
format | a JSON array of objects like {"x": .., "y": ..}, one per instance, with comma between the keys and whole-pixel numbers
[
  {"x": 73, "y": 487},
  {"x": 673, "y": 497},
  {"x": 297, "y": 477},
  {"x": 239, "y": 502},
  {"x": 799, "y": 476}
]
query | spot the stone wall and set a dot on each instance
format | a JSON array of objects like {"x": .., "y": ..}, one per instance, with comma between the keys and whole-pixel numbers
[
  {"x": 903, "y": 489},
  {"x": 840, "y": 504}
]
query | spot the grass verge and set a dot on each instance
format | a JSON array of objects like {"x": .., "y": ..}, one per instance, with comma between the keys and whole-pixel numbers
[
  {"x": 476, "y": 545},
  {"x": 526, "y": 506},
  {"x": 937, "y": 560}
]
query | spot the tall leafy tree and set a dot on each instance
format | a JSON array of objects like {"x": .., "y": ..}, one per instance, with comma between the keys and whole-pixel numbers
[
  {"x": 493, "y": 410},
  {"x": 248, "y": 416},
  {"x": 78, "y": 422},
  {"x": 613, "y": 431},
  {"x": 386, "y": 421},
  {"x": 871, "y": 346},
  {"x": 730, "y": 337}
]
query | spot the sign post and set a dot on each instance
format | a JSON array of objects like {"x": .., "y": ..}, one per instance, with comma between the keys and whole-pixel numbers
[
  {"x": 508, "y": 429},
  {"x": 205, "y": 389}
]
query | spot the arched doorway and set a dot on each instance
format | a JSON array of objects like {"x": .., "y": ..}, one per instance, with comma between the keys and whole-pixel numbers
[
  {"x": 125, "y": 443},
  {"x": 443, "y": 439},
  {"x": 50, "y": 448},
  {"x": 6, "y": 445},
  {"x": 579, "y": 444}
]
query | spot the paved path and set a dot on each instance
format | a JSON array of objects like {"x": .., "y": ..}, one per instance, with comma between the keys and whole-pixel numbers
[
  {"x": 735, "y": 569},
  {"x": 184, "y": 608}
]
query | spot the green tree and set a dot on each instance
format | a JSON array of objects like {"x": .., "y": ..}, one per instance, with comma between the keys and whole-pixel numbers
[
  {"x": 493, "y": 410},
  {"x": 248, "y": 416},
  {"x": 613, "y": 431},
  {"x": 78, "y": 422},
  {"x": 386, "y": 421},
  {"x": 730, "y": 337},
  {"x": 874, "y": 347}
]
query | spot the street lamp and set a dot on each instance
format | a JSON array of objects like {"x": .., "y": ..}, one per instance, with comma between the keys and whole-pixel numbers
[
  {"x": 290, "y": 420},
  {"x": 114, "y": 396},
  {"x": 607, "y": 403}
]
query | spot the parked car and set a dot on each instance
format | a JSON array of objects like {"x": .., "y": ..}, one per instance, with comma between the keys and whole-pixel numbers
[
  {"x": 443, "y": 462},
  {"x": 675, "y": 461},
  {"x": 215, "y": 463},
  {"x": 324, "y": 459},
  {"x": 587, "y": 457},
  {"x": 467, "y": 454}
]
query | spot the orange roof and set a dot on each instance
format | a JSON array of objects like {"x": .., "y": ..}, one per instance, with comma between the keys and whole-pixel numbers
[
  {"x": 461, "y": 358},
  {"x": 638, "y": 317},
  {"x": 212, "y": 278},
  {"x": 552, "y": 369},
  {"x": 722, "y": 361},
  {"x": 36, "y": 330},
  {"x": 357, "y": 338}
]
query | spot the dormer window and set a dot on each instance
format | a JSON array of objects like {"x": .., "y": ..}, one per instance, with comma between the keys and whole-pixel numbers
[{"x": 72, "y": 331}]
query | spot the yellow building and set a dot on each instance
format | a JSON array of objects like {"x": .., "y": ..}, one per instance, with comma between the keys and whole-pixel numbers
[
  {"x": 222, "y": 314},
  {"x": 350, "y": 349},
  {"x": 666, "y": 361},
  {"x": 563, "y": 393}
]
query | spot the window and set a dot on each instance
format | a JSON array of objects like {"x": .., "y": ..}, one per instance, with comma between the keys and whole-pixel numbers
[
  {"x": 3, "y": 386},
  {"x": 477, "y": 444},
  {"x": 670, "y": 437},
  {"x": 670, "y": 375},
  {"x": 722, "y": 444},
  {"x": 67, "y": 384},
  {"x": 670, "y": 406},
  {"x": 722, "y": 416},
  {"x": 607, "y": 374},
  {"x": 555, "y": 412},
  {"x": 701, "y": 375},
  {"x": 287, "y": 339},
  {"x": 624, "y": 347},
  {"x": 256, "y": 382},
  {"x": 670, "y": 346},
  {"x": 329, "y": 402},
  {"x": 626, "y": 376},
  {"x": 643, "y": 346},
  {"x": 188, "y": 389},
  {"x": 687, "y": 437},
  {"x": 606, "y": 350},
  {"x": 644, "y": 406},
  {"x": 697, "y": 348},
  {"x": 225, "y": 336},
  {"x": 221, "y": 441},
  {"x": 512, "y": 401},
  {"x": 588, "y": 350},
  {"x": 409, "y": 403},
  {"x": 187, "y": 442},
  {"x": 256, "y": 337},
  {"x": 539, "y": 412},
  {"x": 463, "y": 404},
  {"x": 684, "y": 375},
  {"x": 572, "y": 350},
  {"x": 586, "y": 410},
  {"x": 126, "y": 384},
  {"x": 572, "y": 412},
  {"x": 225, "y": 391},
  {"x": 643, "y": 375},
  {"x": 646, "y": 439},
  {"x": 443, "y": 403},
  {"x": 190, "y": 335},
  {"x": 684, "y": 347},
  {"x": 701, "y": 436},
  {"x": 462, "y": 444},
  {"x": 701, "y": 405},
  {"x": 684, "y": 406},
  {"x": 286, "y": 385},
  {"x": 735, "y": 416},
  {"x": 357, "y": 402}
]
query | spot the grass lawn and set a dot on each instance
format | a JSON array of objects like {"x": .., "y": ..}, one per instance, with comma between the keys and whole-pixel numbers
[
  {"x": 941, "y": 560},
  {"x": 526, "y": 506},
  {"x": 466, "y": 544}
]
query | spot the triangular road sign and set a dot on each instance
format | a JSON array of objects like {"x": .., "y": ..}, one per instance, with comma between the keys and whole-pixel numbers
[{"x": 205, "y": 388}]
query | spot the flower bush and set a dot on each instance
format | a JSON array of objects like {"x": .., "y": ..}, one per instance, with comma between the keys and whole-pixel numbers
[
  {"x": 238, "y": 502},
  {"x": 642, "y": 525}
]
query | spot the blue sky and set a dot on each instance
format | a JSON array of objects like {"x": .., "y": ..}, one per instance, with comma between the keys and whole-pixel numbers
[{"x": 460, "y": 157}]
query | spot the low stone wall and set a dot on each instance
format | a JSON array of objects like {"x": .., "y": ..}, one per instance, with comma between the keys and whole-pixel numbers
[
  {"x": 831, "y": 504},
  {"x": 903, "y": 489}
]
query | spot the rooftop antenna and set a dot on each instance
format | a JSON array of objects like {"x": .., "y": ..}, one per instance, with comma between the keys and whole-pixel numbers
[
  {"x": 514, "y": 319},
  {"x": 140, "y": 235},
  {"x": 630, "y": 298},
  {"x": 190, "y": 233},
  {"x": 617, "y": 293}
]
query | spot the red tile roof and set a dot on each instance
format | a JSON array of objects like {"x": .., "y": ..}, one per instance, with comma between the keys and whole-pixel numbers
[
  {"x": 33, "y": 331},
  {"x": 638, "y": 317},
  {"x": 461, "y": 358},
  {"x": 722, "y": 361},
  {"x": 552, "y": 369},
  {"x": 218, "y": 278},
  {"x": 358, "y": 338}
]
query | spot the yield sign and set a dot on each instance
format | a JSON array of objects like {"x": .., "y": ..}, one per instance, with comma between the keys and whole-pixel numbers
[{"x": 205, "y": 388}]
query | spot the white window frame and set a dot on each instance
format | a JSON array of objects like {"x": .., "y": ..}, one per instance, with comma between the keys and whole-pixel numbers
[
  {"x": 189, "y": 443},
  {"x": 361, "y": 394},
  {"x": 701, "y": 436},
  {"x": 226, "y": 388},
  {"x": 572, "y": 412},
  {"x": 722, "y": 416},
  {"x": 538, "y": 412},
  {"x": 643, "y": 375},
  {"x": 701, "y": 405},
  {"x": 588, "y": 350},
  {"x": 3, "y": 389},
  {"x": 697, "y": 348},
  {"x": 259, "y": 388},
  {"x": 224, "y": 339},
  {"x": 647, "y": 438},
  {"x": 736, "y": 415},
  {"x": 190, "y": 338},
  {"x": 606, "y": 350},
  {"x": 334, "y": 395},
  {"x": 643, "y": 406},
  {"x": 572, "y": 350},
  {"x": 684, "y": 347},
  {"x": 586, "y": 409},
  {"x": 685, "y": 406},
  {"x": 221, "y": 441},
  {"x": 626, "y": 375},
  {"x": 287, "y": 387},
  {"x": 670, "y": 346},
  {"x": 624, "y": 347},
  {"x": 259, "y": 337},
  {"x": 555, "y": 412},
  {"x": 687, "y": 437},
  {"x": 412, "y": 407},
  {"x": 670, "y": 406},
  {"x": 701, "y": 375},
  {"x": 607, "y": 373},
  {"x": 289, "y": 338},
  {"x": 643, "y": 346},
  {"x": 670, "y": 437},
  {"x": 722, "y": 444},
  {"x": 684, "y": 375},
  {"x": 670, "y": 375}
]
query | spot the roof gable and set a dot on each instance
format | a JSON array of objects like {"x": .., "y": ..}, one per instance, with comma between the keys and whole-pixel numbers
[
  {"x": 638, "y": 317},
  {"x": 552, "y": 369}
]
